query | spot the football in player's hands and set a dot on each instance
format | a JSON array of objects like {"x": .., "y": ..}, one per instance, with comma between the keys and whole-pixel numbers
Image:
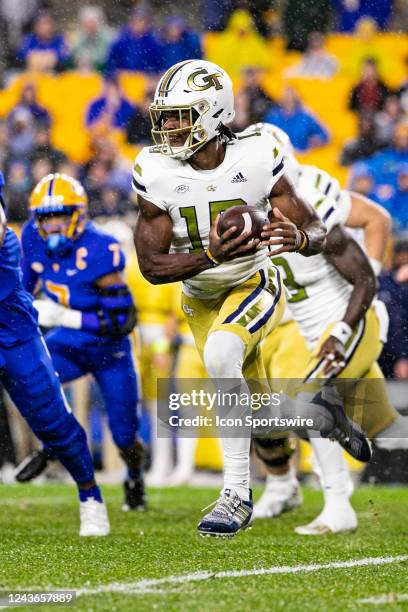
[{"x": 245, "y": 219}]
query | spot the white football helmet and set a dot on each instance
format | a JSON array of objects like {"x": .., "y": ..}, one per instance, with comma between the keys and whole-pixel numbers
[
  {"x": 199, "y": 91},
  {"x": 275, "y": 131}
]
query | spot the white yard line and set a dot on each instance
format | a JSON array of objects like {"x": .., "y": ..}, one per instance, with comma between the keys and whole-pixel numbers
[
  {"x": 387, "y": 598},
  {"x": 150, "y": 585},
  {"x": 153, "y": 585}
]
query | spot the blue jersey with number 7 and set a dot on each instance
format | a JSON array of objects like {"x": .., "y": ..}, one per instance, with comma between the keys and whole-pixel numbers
[{"x": 71, "y": 280}]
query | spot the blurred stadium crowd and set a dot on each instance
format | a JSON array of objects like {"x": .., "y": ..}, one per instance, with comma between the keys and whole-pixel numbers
[{"x": 77, "y": 81}]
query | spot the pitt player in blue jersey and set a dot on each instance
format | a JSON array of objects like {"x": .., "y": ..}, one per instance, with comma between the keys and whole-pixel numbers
[
  {"x": 90, "y": 310},
  {"x": 27, "y": 373}
]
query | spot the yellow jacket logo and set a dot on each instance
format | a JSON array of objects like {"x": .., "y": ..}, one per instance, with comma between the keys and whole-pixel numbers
[{"x": 207, "y": 81}]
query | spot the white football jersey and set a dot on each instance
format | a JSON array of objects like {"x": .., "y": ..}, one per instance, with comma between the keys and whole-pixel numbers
[
  {"x": 292, "y": 166},
  {"x": 307, "y": 179},
  {"x": 252, "y": 165},
  {"x": 319, "y": 295},
  {"x": 312, "y": 179}
]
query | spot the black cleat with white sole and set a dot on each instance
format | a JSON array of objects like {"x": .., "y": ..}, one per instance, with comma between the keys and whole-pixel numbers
[
  {"x": 33, "y": 465},
  {"x": 345, "y": 432}
]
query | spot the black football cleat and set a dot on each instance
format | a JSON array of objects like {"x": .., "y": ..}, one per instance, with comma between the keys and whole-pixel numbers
[
  {"x": 135, "y": 496},
  {"x": 345, "y": 431},
  {"x": 33, "y": 465}
]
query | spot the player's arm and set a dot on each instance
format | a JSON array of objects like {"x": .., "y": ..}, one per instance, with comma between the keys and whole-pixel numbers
[
  {"x": 376, "y": 223},
  {"x": 3, "y": 220},
  {"x": 3, "y": 224},
  {"x": 296, "y": 226},
  {"x": 118, "y": 312},
  {"x": 30, "y": 278},
  {"x": 115, "y": 317},
  {"x": 351, "y": 262},
  {"x": 153, "y": 234}
]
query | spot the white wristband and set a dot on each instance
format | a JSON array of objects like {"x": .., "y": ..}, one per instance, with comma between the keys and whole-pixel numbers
[
  {"x": 376, "y": 266},
  {"x": 342, "y": 331}
]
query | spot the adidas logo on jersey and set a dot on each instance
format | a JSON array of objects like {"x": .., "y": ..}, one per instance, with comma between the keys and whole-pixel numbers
[{"x": 239, "y": 178}]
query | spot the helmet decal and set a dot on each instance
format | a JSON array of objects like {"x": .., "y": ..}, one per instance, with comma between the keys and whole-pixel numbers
[
  {"x": 211, "y": 80},
  {"x": 51, "y": 186},
  {"x": 165, "y": 83},
  {"x": 193, "y": 101}
]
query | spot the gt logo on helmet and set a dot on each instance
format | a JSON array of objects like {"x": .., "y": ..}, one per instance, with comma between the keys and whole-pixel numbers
[{"x": 211, "y": 80}]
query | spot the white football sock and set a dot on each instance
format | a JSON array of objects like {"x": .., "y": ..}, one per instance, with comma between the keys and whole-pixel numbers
[
  {"x": 223, "y": 357},
  {"x": 286, "y": 478},
  {"x": 334, "y": 474}
]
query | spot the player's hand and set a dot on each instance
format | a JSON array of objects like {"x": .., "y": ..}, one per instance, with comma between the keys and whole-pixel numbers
[
  {"x": 225, "y": 248},
  {"x": 281, "y": 234},
  {"x": 49, "y": 313},
  {"x": 333, "y": 354}
]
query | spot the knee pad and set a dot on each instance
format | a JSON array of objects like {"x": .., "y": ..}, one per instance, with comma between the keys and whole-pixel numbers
[
  {"x": 274, "y": 452},
  {"x": 224, "y": 355}
]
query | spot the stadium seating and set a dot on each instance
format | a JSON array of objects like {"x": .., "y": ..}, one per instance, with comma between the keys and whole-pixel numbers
[{"x": 68, "y": 95}]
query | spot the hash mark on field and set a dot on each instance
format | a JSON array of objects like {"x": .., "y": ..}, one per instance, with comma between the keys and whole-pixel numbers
[
  {"x": 387, "y": 598},
  {"x": 150, "y": 585}
]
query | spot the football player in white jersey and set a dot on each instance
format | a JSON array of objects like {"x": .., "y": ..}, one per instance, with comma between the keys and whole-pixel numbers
[
  {"x": 231, "y": 293},
  {"x": 370, "y": 224},
  {"x": 306, "y": 280}
]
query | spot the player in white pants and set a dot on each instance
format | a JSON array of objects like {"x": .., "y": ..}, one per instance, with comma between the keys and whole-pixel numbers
[
  {"x": 282, "y": 491},
  {"x": 232, "y": 296}
]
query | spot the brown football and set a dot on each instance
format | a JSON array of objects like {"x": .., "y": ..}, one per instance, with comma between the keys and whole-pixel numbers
[{"x": 245, "y": 218}]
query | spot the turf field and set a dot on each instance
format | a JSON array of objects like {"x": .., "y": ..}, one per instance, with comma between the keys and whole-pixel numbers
[{"x": 136, "y": 567}]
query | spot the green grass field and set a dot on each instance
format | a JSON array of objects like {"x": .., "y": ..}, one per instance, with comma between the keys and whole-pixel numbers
[{"x": 40, "y": 549}]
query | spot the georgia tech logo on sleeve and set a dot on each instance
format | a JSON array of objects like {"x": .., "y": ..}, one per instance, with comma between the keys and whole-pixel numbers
[
  {"x": 187, "y": 310},
  {"x": 205, "y": 82}
]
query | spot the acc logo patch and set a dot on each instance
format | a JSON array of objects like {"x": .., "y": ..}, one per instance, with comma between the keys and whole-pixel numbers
[
  {"x": 181, "y": 188},
  {"x": 205, "y": 82}
]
